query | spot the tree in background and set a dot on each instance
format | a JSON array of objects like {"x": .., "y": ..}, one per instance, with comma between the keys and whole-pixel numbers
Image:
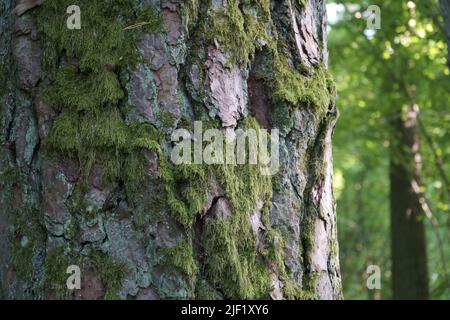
[
  {"x": 445, "y": 10},
  {"x": 384, "y": 77}
]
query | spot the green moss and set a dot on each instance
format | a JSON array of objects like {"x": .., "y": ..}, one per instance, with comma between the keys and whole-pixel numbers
[
  {"x": 3, "y": 82},
  {"x": 310, "y": 282},
  {"x": 186, "y": 192},
  {"x": 241, "y": 32},
  {"x": 204, "y": 291},
  {"x": 87, "y": 89},
  {"x": 231, "y": 261},
  {"x": 104, "y": 137},
  {"x": 302, "y": 3},
  {"x": 275, "y": 252},
  {"x": 58, "y": 260},
  {"x": 293, "y": 292},
  {"x": 22, "y": 258},
  {"x": 185, "y": 184},
  {"x": 112, "y": 273},
  {"x": 276, "y": 256},
  {"x": 307, "y": 292},
  {"x": 29, "y": 236},
  {"x": 190, "y": 13},
  {"x": 182, "y": 257},
  {"x": 88, "y": 92},
  {"x": 230, "y": 250},
  {"x": 9, "y": 176},
  {"x": 167, "y": 119},
  {"x": 148, "y": 19},
  {"x": 28, "y": 231},
  {"x": 55, "y": 277},
  {"x": 316, "y": 91},
  {"x": 84, "y": 91},
  {"x": 244, "y": 184},
  {"x": 307, "y": 237},
  {"x": 102, "y": 40}
]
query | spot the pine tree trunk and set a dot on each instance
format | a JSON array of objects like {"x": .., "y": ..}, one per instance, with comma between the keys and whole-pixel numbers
[
  {"x": 409, "y": 258},
  {"x": 85, "y": 167}
]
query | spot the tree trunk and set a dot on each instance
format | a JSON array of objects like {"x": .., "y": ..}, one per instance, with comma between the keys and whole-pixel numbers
[
  {"x": 445, "y": 11},
  {"x": 85, "y": 166},
  {"x": 409, "y": 258}
]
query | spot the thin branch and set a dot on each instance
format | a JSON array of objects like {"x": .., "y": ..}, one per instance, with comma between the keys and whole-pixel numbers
[
  {"x": 137, "y": 25},
  {"x": 435, "y": 224}
]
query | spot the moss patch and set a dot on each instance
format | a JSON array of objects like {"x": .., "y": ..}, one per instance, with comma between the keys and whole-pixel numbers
[
  {"x": 244, "y": 28},
  {"x": 232, "y": 260},
  {"x": 28, "y": 232},
  {"x": 190, "y": 13},
  {"x": 231, "y": 257},
  {"x": 102, "y": 40},
  {"x": 86, "y": 88},
  {"x": 87, "y": 91},
  {"x": 185, "y": 190},
  {"x": 182, "y": 257},
  {"x": 302, "y": 3},
  {"x": 241, "y": 32},
  {"x": 29, "y": 237},
  {"x": 316, "y": 91},
  {"x": 276, "y": 255},
  {"x": 185, "y": 184}
]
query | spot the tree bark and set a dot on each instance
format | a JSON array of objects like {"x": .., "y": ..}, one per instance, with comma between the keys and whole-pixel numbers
[
  {"x": 445, "y": 11},
  {"x": 409, "y": 258},
  {"x": 86, "y": 177}
]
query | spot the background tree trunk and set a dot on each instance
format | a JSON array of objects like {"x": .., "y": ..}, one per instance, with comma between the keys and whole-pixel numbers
[
  {"x": 445, "y": 11},
  {"x": 85, "y": 168},
  {"x": 409, "y": 256}
]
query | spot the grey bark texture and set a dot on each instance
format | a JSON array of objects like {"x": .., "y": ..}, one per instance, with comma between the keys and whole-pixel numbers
[{"x": 127, "y": 241}]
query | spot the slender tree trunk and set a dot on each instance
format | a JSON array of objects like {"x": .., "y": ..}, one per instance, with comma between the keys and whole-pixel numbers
[
  {"x": 86, "y": 176},
  {"x": 409, "y": 258}
]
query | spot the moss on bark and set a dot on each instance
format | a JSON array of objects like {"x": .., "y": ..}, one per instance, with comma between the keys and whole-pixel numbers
[
  {"x": 86, "y": 83},
  {"x": 59, "y": 259}
]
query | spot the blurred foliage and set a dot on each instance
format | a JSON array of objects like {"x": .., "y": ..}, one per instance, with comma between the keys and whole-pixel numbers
[{"x": 379, "y": 72}]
